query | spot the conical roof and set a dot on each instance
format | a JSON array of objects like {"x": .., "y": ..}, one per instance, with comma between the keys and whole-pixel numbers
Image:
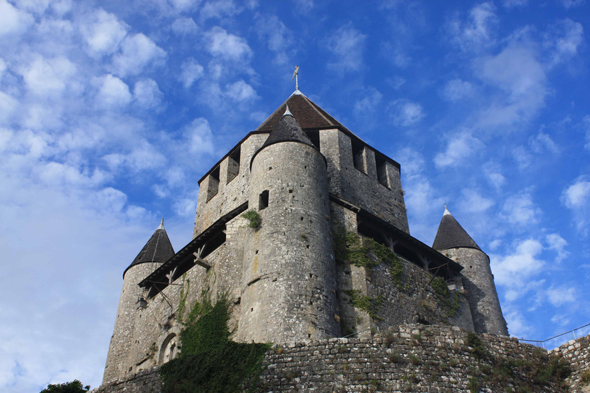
[
  {"x": 158, "y": 249},
  {"x": 287, "y": 129},
  {"x": 452, "y": 235},
  {"x": 307, "y": 113}
]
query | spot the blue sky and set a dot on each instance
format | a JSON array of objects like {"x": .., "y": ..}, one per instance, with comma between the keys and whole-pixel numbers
[{"x": 111, "y": 111}]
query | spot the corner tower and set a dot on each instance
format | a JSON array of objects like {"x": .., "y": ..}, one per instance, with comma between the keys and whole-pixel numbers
[
  {"x": 156, "y": 251},
  {"x": 453, "y": 241},
  {"x": 288, "y": 278}
]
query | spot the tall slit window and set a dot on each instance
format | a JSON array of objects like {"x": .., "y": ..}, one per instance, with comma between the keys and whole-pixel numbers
[
  {"x": 233, "y": 164},
  {"x": 263, "y": 200},
  {"x": 382, "y": 170},
  {"x": 358, "y": 155},
  {"x": 213, "y": 184}
]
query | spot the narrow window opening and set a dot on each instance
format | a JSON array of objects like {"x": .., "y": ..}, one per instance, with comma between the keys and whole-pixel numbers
[
  {"x": 382, "y": 170},
  {"x": 358, "y": 155},
  {"x": 263, "y": 200},
  {"x": 233, "y": 164},
  {"x": 213, "y": 184},
  {"x": 314, "y": 137}
]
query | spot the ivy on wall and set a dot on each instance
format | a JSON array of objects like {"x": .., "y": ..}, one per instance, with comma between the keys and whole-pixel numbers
[{"x": 210, "y": 361}]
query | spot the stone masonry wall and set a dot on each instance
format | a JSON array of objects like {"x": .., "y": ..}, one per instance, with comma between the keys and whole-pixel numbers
[
  {"x": 409, "y": 358},
  {"x": 577, "y": 353}
]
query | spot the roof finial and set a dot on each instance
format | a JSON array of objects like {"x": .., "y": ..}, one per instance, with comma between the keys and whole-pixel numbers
[
  {"x": 446, "y": 211},
  {"x": 287, "y": 111},
  {"x": 296, "y": 76},
  {"x": 161, "y": 224}
]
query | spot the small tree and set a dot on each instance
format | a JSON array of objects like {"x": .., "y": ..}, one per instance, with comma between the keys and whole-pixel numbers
[{"x": 69, "y": 387}]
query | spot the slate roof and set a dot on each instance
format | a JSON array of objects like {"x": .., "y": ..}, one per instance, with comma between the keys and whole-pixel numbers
[
  {"x": 307, "y": 113},
  {"x": 452, "y": 235},
  {"x": 157, "y": 249}
]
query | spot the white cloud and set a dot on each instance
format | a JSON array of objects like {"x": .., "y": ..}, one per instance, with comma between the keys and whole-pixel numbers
[
  {"x": 563, "y": 40},
  {"x": 517, "y": 268},
  {"x": 369, "y": 103},
  {"x": 199, "y": 136},
  {"x": 184, "y": 5},
  {"x": 143, "y": 156},
  {"x": 183, "y": 26},
  {"x": 191, "y": 71},
  {"x": 558, "y": 296},
  {"x": 584, "y": 125},
  {"x": 515, "y": 3},
  {"x": 103, "y": 33},
  {"x": 412, "y": 162},
  {"x": 459, "y": 147},
  {"x": 278, "y": 36},
  {"x": 476, "y": 33},
  {"x": 521, "y": 83},
  {"x": 137, "y": 52},
  {"x": 227, "y": 46},
  {"x": 240, "y": 91},
  {"x": 557, "y": 243},
  {"x": 572, "y": 3},
  {"x": 542, "y": 143},
  {"x": 147, "y": 93},
  {"x": 405, "y": 112},
  {"x": 13, "y": 20},
  {"x": 219, "y": 8},
  {"x": 457, "y": 89},
  {"x": 520, "y": 209},
  {"x": 113, "y": 92},
  {"x": 45, "y": 77},
  {"x": 185, "y": 207},
  {"x": 8, "y": 105},
  {"x": 493, "y": 174},
  {"x": 577, "y": 195},
  {"x": 347, "y": 44},
  {"x": 474, "y": 202},
  {"x": 522, "y": 157}
]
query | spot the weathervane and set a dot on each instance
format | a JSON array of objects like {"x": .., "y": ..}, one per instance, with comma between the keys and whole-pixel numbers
[{"x": 296, "y": 76}]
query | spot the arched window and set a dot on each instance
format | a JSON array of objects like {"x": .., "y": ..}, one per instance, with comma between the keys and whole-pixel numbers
[{"x": 169, "y": 349}]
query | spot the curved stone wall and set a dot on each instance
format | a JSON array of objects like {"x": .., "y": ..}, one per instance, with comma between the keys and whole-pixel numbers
[
  {"x": 288, "y": 277},
  {"x": 478, "y": 281}
]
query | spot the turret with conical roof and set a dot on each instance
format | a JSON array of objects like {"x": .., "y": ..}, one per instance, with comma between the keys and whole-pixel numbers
[
  {"x": 156, "y": 251},
  {"x": 288, "y": 262},
  {"x": 454, "y": 242}
]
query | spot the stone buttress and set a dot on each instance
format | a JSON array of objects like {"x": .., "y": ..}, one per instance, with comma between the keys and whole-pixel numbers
[
  {"x": 478, "y": 280},
  {"x": 288, "y": 278}
]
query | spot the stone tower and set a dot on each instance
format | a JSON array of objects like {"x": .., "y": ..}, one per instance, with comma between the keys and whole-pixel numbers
[
  {"x": 288, "y": 270},
  {"x": 156, "y": 251},
  {"x": 453, "y": 241}
]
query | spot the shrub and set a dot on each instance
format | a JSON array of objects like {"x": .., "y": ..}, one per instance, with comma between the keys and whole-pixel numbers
[{"x": 254, "y": 218}]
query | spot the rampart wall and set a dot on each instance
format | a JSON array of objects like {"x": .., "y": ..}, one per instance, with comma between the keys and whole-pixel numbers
[{"x": 408, "y": 358}]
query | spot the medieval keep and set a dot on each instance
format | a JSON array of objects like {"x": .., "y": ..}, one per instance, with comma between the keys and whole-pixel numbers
[{"x": 316, "y": 187}]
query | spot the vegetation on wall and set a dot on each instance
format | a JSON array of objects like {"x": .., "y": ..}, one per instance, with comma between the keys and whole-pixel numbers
[
  {"x": 209, "y": 360},
  {"x": 254, "y": 218},
  {"x": 366, "y": 303},
  {"x": 183, "y": 296},
  {"x": 450, "y": 302}
]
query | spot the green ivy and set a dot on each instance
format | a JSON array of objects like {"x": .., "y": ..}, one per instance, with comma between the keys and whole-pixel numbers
[
  {"x": 451, "y": 302},
  {"x": 254, "y": 218},
  {"x": 183, "y": 296},
  {"x": 366, "y": 303},
  {"x": 210, "y": 361}
]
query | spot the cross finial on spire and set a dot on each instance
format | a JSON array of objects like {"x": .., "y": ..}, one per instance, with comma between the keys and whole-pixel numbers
[
  {"x": 296, "y": 76},
  {"x": 446, "y": 211},
  {"x": 161, "y": 224}
]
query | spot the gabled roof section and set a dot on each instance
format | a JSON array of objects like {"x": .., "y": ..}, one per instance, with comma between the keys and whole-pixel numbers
[
  {"x": 158, "y": 249},
  {"x": 452, "y": 235},
  {"x": 307, "y": 113}
]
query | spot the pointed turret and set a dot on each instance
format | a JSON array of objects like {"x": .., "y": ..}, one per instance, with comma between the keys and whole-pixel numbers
[
  {"x": 451, "y": 234},
  {"x": 478, "y": 280},
  {"x": 157, "y": 250}
]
